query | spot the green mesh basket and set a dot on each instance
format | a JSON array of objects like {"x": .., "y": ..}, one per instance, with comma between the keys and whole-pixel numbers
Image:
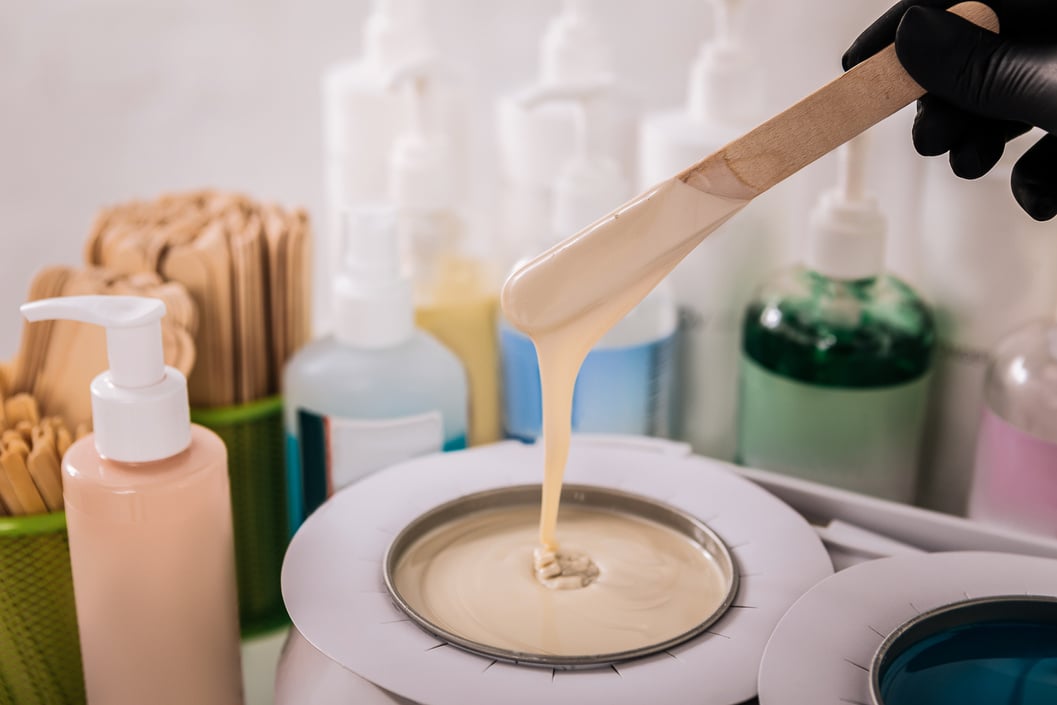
[
  {"x": 40, "y": 657},
  {"x": 253, "y": 434}
]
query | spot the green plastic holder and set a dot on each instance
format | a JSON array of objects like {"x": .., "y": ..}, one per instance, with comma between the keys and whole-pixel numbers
[
  {"x": 254, "y": 437},
  {"x": 40, "y": 655}
]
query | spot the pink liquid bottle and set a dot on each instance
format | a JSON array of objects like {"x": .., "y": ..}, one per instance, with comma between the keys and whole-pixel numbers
[
  {"x": 1015, "y": 479},
  {"x": 148, "y": 511}
]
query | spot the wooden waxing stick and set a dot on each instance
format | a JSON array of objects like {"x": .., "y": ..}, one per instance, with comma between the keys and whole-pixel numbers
[{"x": 818, "y": 124}]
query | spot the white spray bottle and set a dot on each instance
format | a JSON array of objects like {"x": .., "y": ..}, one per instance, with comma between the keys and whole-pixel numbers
[
  {"x": 148, "y": 510},
  {"x": 378, "y": 391},
  {"x": 627, "y": 382}
]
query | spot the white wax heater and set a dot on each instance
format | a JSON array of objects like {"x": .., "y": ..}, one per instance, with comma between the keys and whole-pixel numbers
[{"x": 351, "y": 643}]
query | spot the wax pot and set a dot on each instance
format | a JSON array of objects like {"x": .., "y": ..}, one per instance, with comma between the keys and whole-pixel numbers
[
  {"x": 352, "y": 642},
  {"x": 960, "y": 627},
  {"x": 993, "y": 649}
]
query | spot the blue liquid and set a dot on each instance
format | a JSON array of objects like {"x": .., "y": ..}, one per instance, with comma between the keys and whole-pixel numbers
[
  {"x": 628, "y": 389},
  {"x": 989, "y": 663}
]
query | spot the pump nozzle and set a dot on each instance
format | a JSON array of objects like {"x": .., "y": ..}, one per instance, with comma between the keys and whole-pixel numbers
[
  {"x": 847, "y": 228},
  {"x": 394, "y": 31},
  {"x": 139, "y": 406},
  {"x": 726, "y": 80},
  {"x": 852, "y": 180},
  {"x": 574, "y": 48},
  {"x": 420, "y": 166},
  {"x": 133, "y": 332},
  {"x": 590, "y": 183}
]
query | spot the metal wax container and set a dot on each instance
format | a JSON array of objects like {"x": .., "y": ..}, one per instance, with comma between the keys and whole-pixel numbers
[
  {"x": 584, "y": 496},
  {"x": 1028, "y": 609}
]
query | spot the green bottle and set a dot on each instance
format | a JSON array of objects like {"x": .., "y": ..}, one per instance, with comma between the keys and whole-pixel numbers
[{"x": 836, "y": 357}]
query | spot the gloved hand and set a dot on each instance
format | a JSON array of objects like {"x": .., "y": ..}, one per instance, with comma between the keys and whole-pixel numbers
[{"x": 983, "y": 89}]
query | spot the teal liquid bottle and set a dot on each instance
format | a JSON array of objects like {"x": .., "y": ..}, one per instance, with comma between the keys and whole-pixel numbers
[
  {"x": 836, "y": 357},
  {"x": 378, "y": 391}
]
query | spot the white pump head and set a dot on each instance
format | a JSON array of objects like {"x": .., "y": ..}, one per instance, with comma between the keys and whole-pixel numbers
[
  {"x": 574, "y": 47},
  {"x": 590, "y": 183},
  {"x": 421, "y": 168},
  {"x": 395, "y": 31},
  {"x": 847, "y": 240},
  {"x": 726, "y": 80},
  {"x": 140, "y": 411},
  {"x": 373, "y": 296}
]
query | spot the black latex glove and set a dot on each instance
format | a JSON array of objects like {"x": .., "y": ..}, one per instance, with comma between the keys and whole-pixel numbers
[{"x": 983, "y": 89}]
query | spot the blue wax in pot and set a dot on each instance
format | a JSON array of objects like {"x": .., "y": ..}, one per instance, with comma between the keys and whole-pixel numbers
[{"x": 1002, "y": 662}]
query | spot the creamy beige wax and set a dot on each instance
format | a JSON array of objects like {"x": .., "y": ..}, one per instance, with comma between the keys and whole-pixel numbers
[{"x": 474, "y": 577}]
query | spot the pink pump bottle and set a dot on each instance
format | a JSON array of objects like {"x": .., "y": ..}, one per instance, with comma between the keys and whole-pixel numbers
[{"x": 148, "y": 512}]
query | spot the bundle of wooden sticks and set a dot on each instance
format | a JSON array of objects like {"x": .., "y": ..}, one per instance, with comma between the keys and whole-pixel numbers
[
  {"x": 245, "y": 264},
  {"x": 30, "y": 450}
]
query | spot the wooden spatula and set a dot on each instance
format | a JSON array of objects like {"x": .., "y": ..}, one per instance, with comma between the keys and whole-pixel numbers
[{"x": 745, "y": 168}]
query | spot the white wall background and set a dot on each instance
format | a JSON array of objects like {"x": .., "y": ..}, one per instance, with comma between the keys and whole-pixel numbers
[{"x": 107, "y": 100}]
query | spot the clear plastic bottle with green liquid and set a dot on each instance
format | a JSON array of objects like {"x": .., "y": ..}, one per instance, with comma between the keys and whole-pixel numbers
[{"x": 836, "y": 356}]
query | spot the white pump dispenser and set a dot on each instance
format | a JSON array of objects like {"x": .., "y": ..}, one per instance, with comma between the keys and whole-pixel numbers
[
  {"x": 633, "y": 362},
  {"x": 363, "y": 117},
  {"x": 847, "y": 239},
  {"x": 725, "y": 98},
  {"x": 394, "y": 31},
  {"x": 422, "y": 170},
  {"x": 373, "y": 297},
  {"x": 573, "y": 47},
  {"x": 148, "y": 514},
  {"x": 535, "y": 143},
  {"x": 140, "y": 411},
  {"x": 713, "y": 284},
  {"x": 590, "y": 183},
  {"x": 455, "y": 289}
]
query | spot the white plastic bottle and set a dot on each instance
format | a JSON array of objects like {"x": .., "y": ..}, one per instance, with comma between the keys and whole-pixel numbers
[
  {"x": 535, "y": 143},
  {"x": 714, "y": 282},
  {"x": 837, "y": 355},
  {"x": 988, "y": 269},
  {"x": 376, "y": 392},
  {"x": 456, "y": 283},
  {"x": 627, "y": 382},
  {"x": 148, "y": 510},
  {"x": 363, "y": 115}
]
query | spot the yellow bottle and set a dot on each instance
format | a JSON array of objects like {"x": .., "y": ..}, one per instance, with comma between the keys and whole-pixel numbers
[
  {"x": 457, "y": 301},
  {"x": 456, "y": 290}
]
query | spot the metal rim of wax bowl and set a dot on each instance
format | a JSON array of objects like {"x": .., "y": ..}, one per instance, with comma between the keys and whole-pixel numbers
[
  {"x": 1013, "y": 608},
  {"x": 588, "y": 496}
]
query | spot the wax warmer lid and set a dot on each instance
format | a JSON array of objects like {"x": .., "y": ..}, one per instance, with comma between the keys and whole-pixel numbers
[
  {"x": 822, "y": 650},
  {"x": 334, "y": 592}
]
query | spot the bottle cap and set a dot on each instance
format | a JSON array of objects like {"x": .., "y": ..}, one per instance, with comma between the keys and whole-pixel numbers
[
  {"x": 590, "y": 183},
  {"x": 373, "y": 295},
  {"x": 847, "y": 240},
  {"x": 395, "y": 31},
  {"x": 421, "y": 165},
  {"x": 140, "y": 411}
]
